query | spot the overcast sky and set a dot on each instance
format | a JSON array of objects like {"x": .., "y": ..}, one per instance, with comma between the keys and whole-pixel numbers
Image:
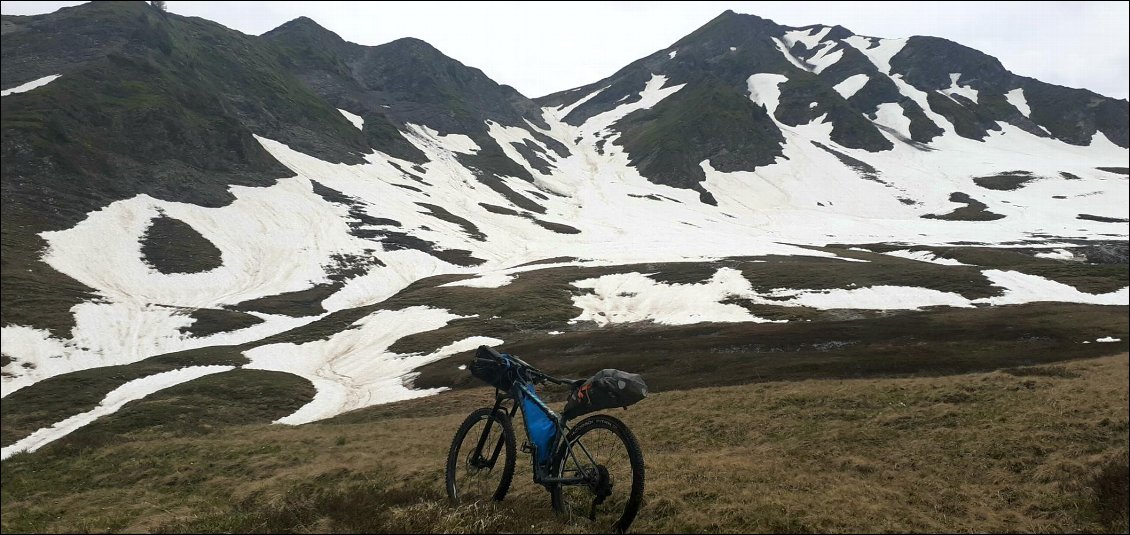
[{"x": 542, "y": 47}]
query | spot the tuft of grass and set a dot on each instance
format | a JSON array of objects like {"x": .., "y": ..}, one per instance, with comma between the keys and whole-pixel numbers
[{"x": 1111, "y": 494}]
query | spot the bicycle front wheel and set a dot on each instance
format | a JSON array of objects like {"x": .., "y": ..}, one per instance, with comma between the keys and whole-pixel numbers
[
  {"x": 605, "y": 453},
  {"x": 480, "y": 463}
]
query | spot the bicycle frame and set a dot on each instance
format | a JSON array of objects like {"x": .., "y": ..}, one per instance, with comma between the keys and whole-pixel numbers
[{"x": 543, "y": 475}]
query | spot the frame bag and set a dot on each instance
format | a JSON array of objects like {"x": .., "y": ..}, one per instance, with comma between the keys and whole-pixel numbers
[
  {"x": 539, "y": 424},
  {"x": 607, "y": 389}
]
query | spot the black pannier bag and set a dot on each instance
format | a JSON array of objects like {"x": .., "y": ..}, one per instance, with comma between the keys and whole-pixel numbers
[
  {"x": 607, "y": 389},
  {"x": 489, "y": 370}
]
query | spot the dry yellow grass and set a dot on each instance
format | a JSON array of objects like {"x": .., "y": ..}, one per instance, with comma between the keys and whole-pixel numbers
[{"x": 1036, "y": 449}]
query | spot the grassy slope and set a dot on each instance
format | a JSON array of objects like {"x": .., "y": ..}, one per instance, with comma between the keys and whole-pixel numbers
[{"x": 1022, "y": 449}]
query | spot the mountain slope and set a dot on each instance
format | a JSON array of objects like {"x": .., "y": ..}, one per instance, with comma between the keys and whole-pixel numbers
[
  {"x": 407, "y": 82},
  {"x": 913, "y": 89},
  {"x": 154, "y": 104}
]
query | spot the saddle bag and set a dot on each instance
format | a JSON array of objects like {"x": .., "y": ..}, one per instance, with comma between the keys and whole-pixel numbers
[{"x": 607, "y": 389}]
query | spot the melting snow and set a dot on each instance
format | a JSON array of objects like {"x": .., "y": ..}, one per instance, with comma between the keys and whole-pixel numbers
[
  {"x": 890, "y": 115},
  {"x": 871, "y": 298},
  {"x": 851, "y": 85},
  {"x": 486, "y": 280},
  {"x": 632, "y": 297},
  {"x": 825, "y": 57},
  {"x": 809, "y": 37},
  {"x": 354, "y": 369},
  {"x": 355, "y": 119},
  {"x": 1023, "y": 288},
  {"x": 1058, "y": 254},
  {"x": 965, "y": 91},
  {"x": 764, "y": 89},
  {"x": 25, "y": 87},
  {"x": 452, "y": 142},
  {"x": 564, "y": 110},
  {"x": 1016, "y": 98},
  {"x": 784, "y": 49},
  {"x": 133, "y": 390},
  {"x": 924, "y": 256}
]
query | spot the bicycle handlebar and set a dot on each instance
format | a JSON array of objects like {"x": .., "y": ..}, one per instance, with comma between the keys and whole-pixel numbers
[{"x": 528, "y": 368}]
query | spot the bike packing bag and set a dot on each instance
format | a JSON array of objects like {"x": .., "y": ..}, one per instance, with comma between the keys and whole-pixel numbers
[
  {"x": 489, "y": 370},
  {"x": 541, "y": 427},
  {"x": 607, "y": 389}
]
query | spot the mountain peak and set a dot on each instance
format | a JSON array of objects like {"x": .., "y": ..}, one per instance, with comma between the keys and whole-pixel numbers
[
  {"x": 732, "y": 27},
  {"x": 304, "y": 26}
]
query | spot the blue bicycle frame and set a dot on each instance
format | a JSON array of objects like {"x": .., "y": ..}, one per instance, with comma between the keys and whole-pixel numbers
[{"x": 523, "y": 390}]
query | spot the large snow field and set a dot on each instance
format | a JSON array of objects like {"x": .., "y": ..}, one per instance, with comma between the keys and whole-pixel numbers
[{"x": 282, "y": 238}]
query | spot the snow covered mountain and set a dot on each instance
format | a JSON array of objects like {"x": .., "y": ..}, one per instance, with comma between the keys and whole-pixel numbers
[{"x": 171, "y": 185}]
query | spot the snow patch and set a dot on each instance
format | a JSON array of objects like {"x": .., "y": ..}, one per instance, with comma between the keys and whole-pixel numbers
[
  {"x": 633, "y": 297},
  {"x": 672, "y": 54},
  {"x": 354, "y": 369},
  {"x": 1107, "y": 339},
  {"x": 954, "y": 89},
  {"x": 764, "y": 89},
  {"x": 1058, "y": 254},
  {"x": 851, "y": 85},
  {"x": 486, "y": 280},
  {"x": 925, "y": 256},
  {"x": 1023, "y": 288},
  {"x": 1016, "y": 98},
  {"x": 25, "y": 87},
  {"x": 355, "y": 119},
  {"x": 652, "y": 93},
  {"x": 116, "y": 333},
  {"x": 825, "y": 57},
  {"x": 784, "y": 49},
  {"x": 450, "y": 142},
  {"x": 564, "y": 110},
  {"x": 890, "y": 115},
  {"x": 131, "y": 391},
  {"x": 870, "y": 298},
  {"x": 809, "y": 37}
]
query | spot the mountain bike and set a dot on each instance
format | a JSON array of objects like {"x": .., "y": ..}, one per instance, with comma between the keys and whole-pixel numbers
[{"x": 593, "y": 470}]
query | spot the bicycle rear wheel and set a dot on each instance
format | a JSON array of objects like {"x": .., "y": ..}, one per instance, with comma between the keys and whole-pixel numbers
[
  {"x": 604, "y": 451},
  {"x": 480, "y": 463}
]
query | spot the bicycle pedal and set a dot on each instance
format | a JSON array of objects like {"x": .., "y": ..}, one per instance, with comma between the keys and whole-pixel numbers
[{"x": 526, "y": 448}]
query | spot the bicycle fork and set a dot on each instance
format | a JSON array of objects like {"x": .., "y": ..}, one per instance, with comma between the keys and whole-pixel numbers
[{"x": 478, "y": 460}]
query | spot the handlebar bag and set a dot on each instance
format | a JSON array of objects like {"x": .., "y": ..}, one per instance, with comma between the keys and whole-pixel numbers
[
  {"x": 607, "y": 389},
  {"x": 490, "y": 371}
]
